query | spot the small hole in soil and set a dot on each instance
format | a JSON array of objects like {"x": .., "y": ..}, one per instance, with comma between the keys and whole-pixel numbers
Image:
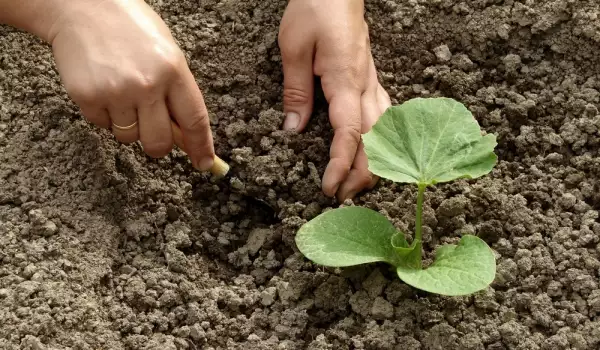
[{"x": 260, "y": 211}]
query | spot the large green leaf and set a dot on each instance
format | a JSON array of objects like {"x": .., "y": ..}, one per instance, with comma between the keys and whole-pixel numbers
[
  {"x": 348, "y": 236},
  {"x": 427, "y": 141},
  {"x": 459, "y": 269}
]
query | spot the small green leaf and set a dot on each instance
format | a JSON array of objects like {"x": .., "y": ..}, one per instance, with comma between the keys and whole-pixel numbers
[
  {"x": 459, "y": 269},
  {"x": 347, "y": 236},
  {"x": 398, "y": 240},
  {"x": 410, "y": 256},
  {"x": 427, "y": 141}
]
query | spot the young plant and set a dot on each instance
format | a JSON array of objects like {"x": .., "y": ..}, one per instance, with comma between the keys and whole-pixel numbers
[{"x": 424, "y": 141}]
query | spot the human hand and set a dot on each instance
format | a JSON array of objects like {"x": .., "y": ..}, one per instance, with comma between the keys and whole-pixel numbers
[
  {"x": 120, "y": 64},
  {"x": 330, "y": 39}
]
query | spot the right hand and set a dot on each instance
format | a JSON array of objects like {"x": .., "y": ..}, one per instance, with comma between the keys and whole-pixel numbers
[
  {"x": 330, "y": 39},
  {"x": 120, "y": 64}
]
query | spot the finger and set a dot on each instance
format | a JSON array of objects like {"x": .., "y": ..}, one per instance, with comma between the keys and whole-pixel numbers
[
  {"x": 359, "y": 178},
  {"x": 298, "y": 88},
  {"x": 383, "y": 99},
  {"x": 124, "y": 124},
  {"x": 369, "y": 109},
  {"x": 345, "y": 118},
  {"x": 97, "y": 116},
  {"x": 374, "y": 102},
  {"x": 381, "y": 96},
  {"x": 186, "y": 105},
  {"x": 368, "y": 101},
  {"x": 155, "y": 128},
  {"x": 177, "y": 136}
]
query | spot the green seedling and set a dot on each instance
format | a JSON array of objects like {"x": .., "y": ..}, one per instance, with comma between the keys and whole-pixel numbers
[{"x": 424, "y": 141}]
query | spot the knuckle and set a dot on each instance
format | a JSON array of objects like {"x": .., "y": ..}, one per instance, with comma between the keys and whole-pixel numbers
[
  {"x": 352, "y": 129},
  {"x": 343, "y": 164},
  {"x": 355, "y": 45},
  {"x": 295, "y": 49},
  {"x": 197, "y": 121},
  {"x": 97, "y": 119},
  {"x": 117, "y": 83},
  {"x": 294, "y": 96},
  {"x": 148, "y": 85},
  {"x": 292, "y": 52},
  {"x": 292, "y": 18},
  {"x": 350, "y": 73},
  {"x": 282, "y": 34},
  {"x": 136, "y": 82},
  {"x": 171, "y": 63},
  {"x": 354, "y": 71},
  {"x": 114, "y": 88},
  {"x": 82, "y": 94},
  {"x": 364, "y": 179}
]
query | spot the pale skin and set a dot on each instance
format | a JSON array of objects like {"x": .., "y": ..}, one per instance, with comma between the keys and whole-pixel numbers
[{"x": 120, "y": 64}]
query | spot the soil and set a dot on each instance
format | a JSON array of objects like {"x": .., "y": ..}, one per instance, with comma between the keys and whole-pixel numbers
[{"x": 102, "y": 247}]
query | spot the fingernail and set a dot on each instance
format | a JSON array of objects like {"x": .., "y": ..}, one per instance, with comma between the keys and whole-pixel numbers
[
  {"x": 291, "y": 122},
  {"x": 204, "y": 164}
]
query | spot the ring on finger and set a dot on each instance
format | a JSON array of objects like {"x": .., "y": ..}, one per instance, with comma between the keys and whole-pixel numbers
[{"x": 128, "y": 127}]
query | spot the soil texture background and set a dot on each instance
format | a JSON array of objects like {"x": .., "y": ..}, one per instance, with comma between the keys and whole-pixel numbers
[{"x": 102, "y": 247}]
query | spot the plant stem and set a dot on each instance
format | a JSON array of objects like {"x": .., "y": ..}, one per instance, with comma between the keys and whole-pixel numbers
[{"x": 418, "y": 223}]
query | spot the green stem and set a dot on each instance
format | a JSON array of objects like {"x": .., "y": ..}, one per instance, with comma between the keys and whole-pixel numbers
[{"x": 418, "y": 224}]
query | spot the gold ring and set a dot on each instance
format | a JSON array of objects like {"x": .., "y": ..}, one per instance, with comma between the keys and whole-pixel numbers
[{"x": 125, "y": 127}]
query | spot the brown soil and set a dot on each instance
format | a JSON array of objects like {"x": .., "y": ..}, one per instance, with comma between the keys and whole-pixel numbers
[{"x": 102, "y": 247}]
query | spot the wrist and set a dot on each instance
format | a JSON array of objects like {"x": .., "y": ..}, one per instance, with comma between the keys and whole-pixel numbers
[
  {"x": 34, "y": 16},
  {"x": 41, "y": 18}
]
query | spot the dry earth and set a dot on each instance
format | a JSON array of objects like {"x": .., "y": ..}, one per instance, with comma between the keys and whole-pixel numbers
[{"x": 102, "y": 247}]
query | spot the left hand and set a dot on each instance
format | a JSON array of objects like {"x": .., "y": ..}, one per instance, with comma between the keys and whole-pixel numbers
[
  {"x": 120, "y": 64},
  {"x": 330, "y": 39}
]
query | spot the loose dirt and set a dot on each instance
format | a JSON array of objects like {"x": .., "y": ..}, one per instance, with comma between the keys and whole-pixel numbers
[{"x": 102, "y": 247}]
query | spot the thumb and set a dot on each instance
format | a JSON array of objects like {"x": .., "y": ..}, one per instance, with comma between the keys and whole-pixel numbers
[{"x": 298, "y": 90}]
